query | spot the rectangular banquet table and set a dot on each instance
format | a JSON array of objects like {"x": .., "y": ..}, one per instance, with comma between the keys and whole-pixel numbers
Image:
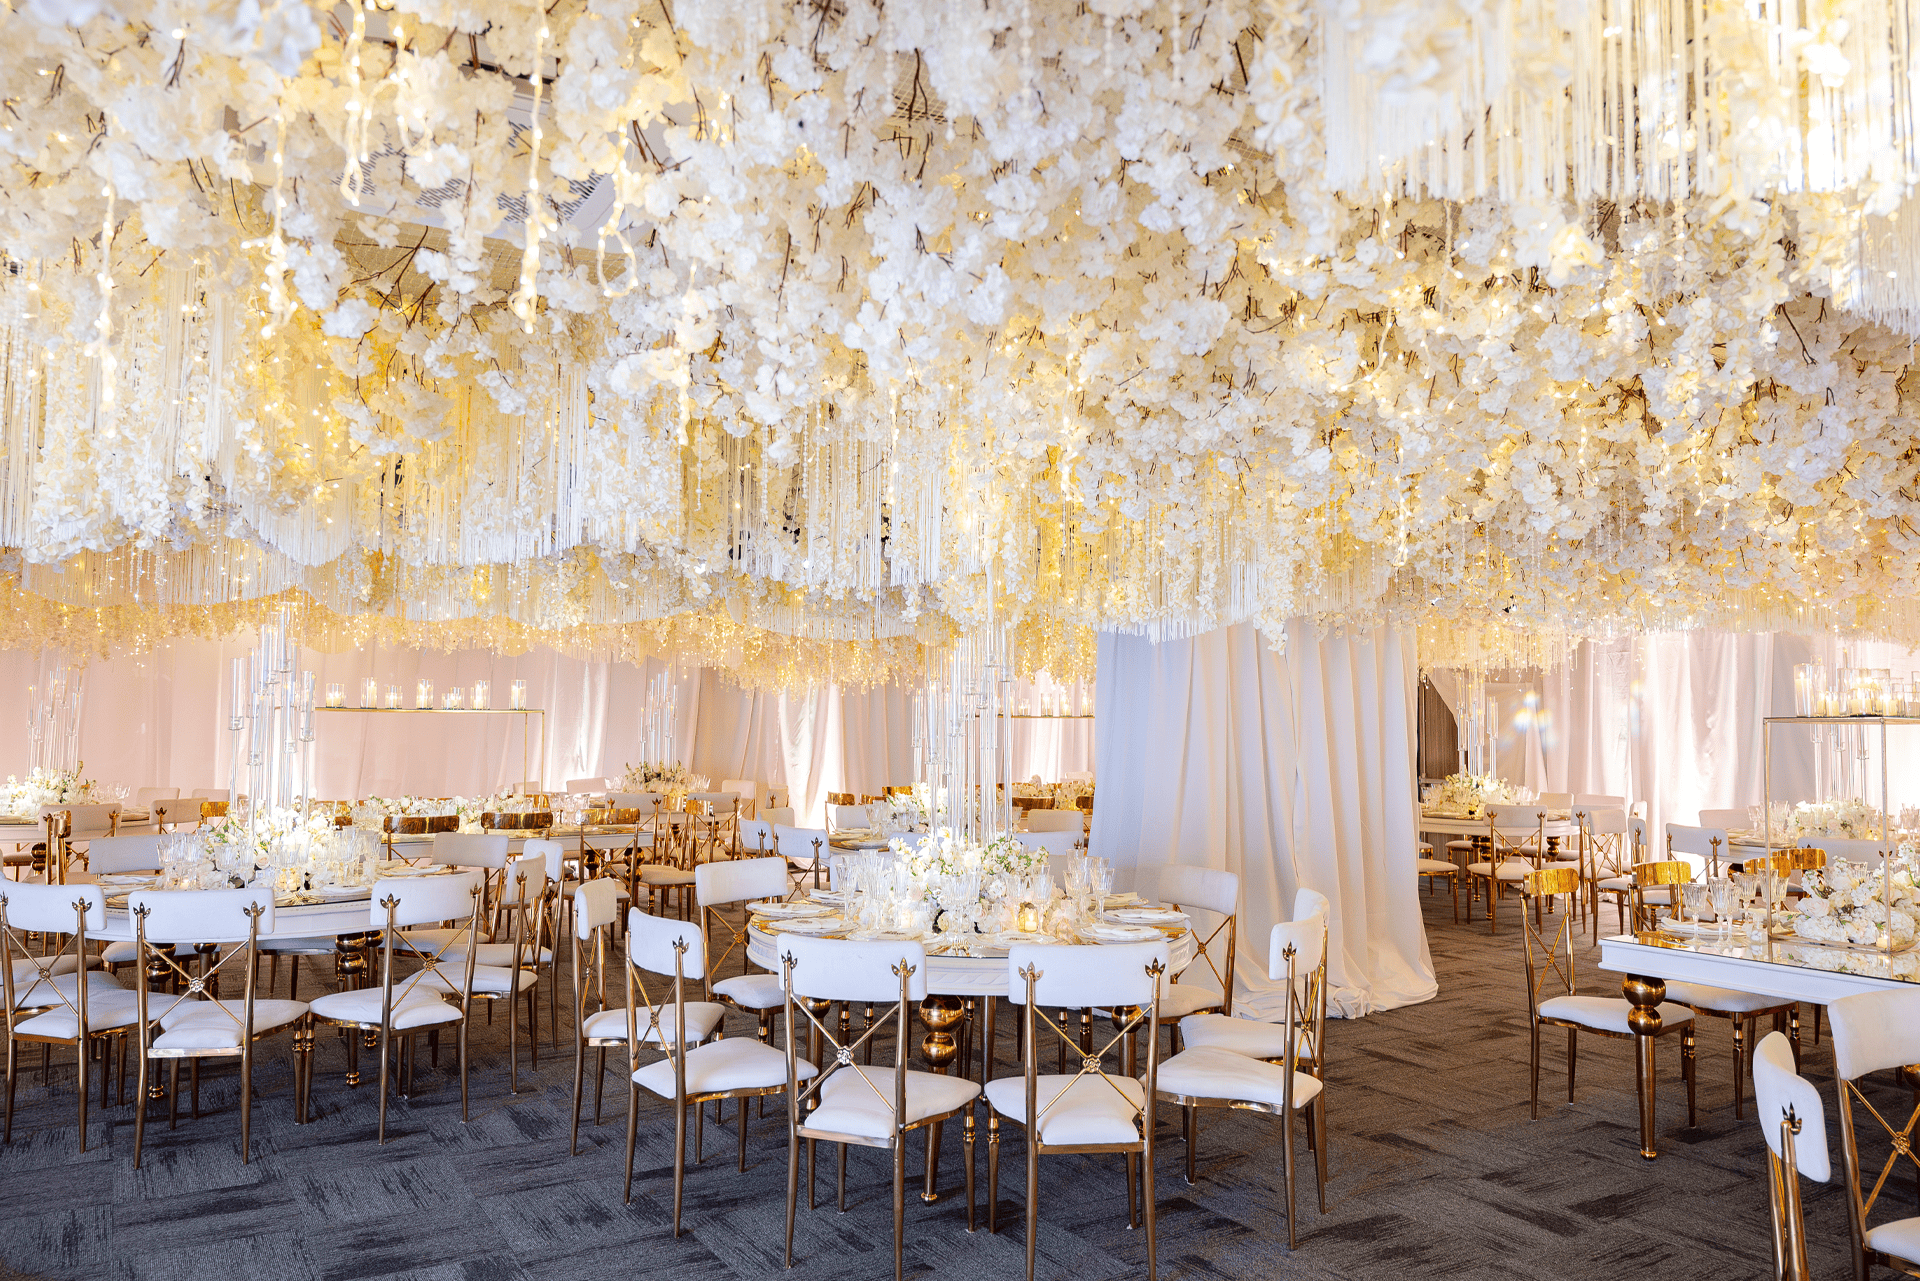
[{"x": 1788, "y": 968}]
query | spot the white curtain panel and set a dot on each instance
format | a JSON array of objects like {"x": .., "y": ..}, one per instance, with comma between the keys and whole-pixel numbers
[
  {"x": 1676, "y": 719},
  {"x": 159, "y": 719},
  {"x": 1292, "y": 770}
]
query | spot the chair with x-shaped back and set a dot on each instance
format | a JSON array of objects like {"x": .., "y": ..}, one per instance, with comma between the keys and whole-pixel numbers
[
  {"x": 1878, "y": 1032},
  {"x": 849, "y": 1103},
  {"x": 402, "y": 1005},
  {"x": 194, "y": 1023}
]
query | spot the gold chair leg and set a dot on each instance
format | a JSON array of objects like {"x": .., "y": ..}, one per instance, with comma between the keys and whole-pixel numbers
[
  {"x": 993, "y": 1172},
  {"x": 1739, "y": 1067},
  {"x": 840, "y": 1178},
  {"x": 740, "y": 1106},
  {"x": 1572, "y": 1059},
  {"x": 967, "y": 1142},
  {"x": 899, "y": 1200},
  {"x": 1033, "y": 1193},
  {"x": 579, "y": 1081},
  {"x": 139, "y": 1101},
  {"x": 1286, "y": 1164},
  {"x": 793, "y": 1184},
  {"x": 679, "y": 1157},
  {"x": 1319, "y": 1122},
  {"x": 385, "y": 1038},
  {"x": 633, "y": 1117},
  {"x": 246, "y": 1100}
]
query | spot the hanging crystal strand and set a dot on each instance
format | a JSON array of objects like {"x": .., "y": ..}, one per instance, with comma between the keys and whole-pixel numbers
[{"x": 527, "y": 295}]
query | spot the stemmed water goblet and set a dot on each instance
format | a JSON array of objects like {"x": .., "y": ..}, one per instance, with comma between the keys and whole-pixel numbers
[
  {"x": 1720, "y": 896},
  {"x": 1693, "y": 901}
]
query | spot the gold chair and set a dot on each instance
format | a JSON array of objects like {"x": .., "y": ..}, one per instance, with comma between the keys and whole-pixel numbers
[
  {"x": 1226, "y": 1075},
  {"x": 1218, "y": 892},
  {"x": 1878, "y": 1032},
  {"x": 1090, "y": 1111},
  {"x": 62, "y": 1002},
  {"x": 1516, "y": 837},
  {"x": 1666, "y": 875},
  {"x": 194, "y": 1024},
  {"x": 858, "y": 1105},
  {"x": 1026, "y": 803},
  {"x": 1609, "y": 847},
  {"x": 697, "y": 1071},
  {"x": 1550, "y": 965},
  {"x": 1425, "y": 865},
  {"x": 1795, "y": 1125}
]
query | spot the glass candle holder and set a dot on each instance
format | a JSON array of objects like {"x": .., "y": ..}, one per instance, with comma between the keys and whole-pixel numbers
[
  {"x": 393, "y": 698},
  {"x": 454, "y": 699},
  {"x": 423, "y": 694},
  {"x": 482, "y": 691},
  {"x": 517, "y": 692},
  {"x": 369, "y": 692},
  {"x": 336, "y": 695}
]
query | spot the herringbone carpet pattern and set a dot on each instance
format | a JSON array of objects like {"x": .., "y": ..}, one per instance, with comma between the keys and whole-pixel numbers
[{"x": 1436, "y": 1172}]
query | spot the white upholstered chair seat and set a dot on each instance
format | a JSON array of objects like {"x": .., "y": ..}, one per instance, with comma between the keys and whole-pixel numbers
[
  {"x": 105, "y": 1009},
  {"x": 1250, "y": 1037},
  {"x": 658, "y": 874},
  {"x": 198, "y": 1025},
  {"x": 608, "y": 1025},
  {"x": 1094, "y": 1110},
  {"x": 498, "y": 954},
  {"x": 1606, "y": 1013},
  {"x": 1213, "y": 1073},
  {"x": 1724, "y": 999},
  {"x": 850, "y": 1105},
  {"x": 738, "y": 1064},
  {"x": 488, "y": 980},
  {"x": 1622, "y": 883},
  {"x": 1901, "y": 1239},
  {"x": 752, "y": 991},
  {"x": 1514, "y": 869},
  {"x": 363, "y": 1006},
  {"x": 120, "y": 952},
  {"x": 1436, "y": 867},
  {"x": 1178, "y": 1000},
  {"x": 65, "y": 987}
]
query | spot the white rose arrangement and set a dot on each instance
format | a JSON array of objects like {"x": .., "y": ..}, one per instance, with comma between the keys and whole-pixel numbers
[
  {"x": 1847, "y": 903},
  {"x": 47, "y": 787},
  {"x": 1852, "y": 819}
]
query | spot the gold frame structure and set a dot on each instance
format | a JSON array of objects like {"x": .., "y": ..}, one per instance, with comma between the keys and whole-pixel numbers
[
  {"x": 1886, "y": 825},
  {"x": 522, "y": 712}
]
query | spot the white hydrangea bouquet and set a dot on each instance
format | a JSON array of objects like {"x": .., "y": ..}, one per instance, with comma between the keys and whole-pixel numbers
[
  {"x": 986, "y": 874},
  {"x": 1470, "y": 793},
  {"x": 47, "y": 787},
  {"x": 1854, "y": 819},
  {"x": 1847, "y": 903}
]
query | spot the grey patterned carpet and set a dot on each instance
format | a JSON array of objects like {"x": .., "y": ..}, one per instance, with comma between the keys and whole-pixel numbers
[{"x": 1436, "y": 1172}]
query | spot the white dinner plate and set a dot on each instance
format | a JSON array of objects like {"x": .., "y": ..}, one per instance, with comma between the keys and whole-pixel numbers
[
  {"x": 794, "y": 911},
  {"x": 1145, "y": 916},
  {"x": 884, "y": 936},
  {"x": 1007, "y": 938},
  {"x": 1101, "y": 932},
  {"x": 815, "y": 925}
]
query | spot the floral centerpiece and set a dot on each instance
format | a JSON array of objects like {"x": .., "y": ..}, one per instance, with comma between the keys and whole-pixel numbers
[
  {"x": 903, "y": 812},
  {"x": 1470, "y": 793},
  {"x": 48, "y": 787},
  {"x": 244, "y": 840},
  {"x": 1853, "y": 819},
  {"x": 1846, "y": 902},
  {"x": 671, "y": 779}
]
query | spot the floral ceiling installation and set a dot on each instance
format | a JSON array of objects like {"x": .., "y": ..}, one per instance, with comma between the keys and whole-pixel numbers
[{"x": 844, "y": 324}]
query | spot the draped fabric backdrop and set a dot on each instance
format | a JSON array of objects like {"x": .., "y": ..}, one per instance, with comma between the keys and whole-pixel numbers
[
  {"x": 1675, "y": 719},
  {"x": 159, "y": 719},
  {"x": 1292, "y": 770}
]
